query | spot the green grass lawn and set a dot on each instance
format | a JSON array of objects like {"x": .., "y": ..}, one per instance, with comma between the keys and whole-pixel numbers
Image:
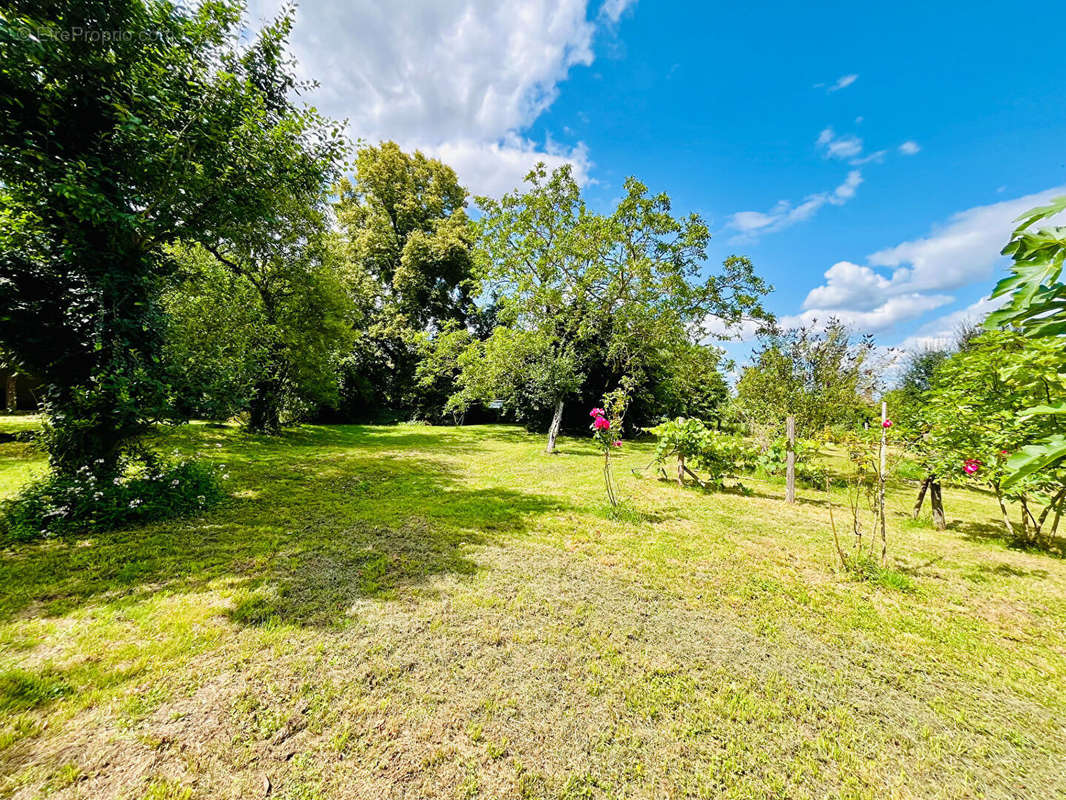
[{"x": 413, "y": 612}]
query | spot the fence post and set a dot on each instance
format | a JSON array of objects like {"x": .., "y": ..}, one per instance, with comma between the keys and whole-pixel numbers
[
  {"x": 790, "y": 459},
  {"x": 881, "y": 480}
]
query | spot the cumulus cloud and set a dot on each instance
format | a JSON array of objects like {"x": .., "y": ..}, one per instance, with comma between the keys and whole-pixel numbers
[
  {"x": 744, "y": 331},
  {"x": 879, "y": 317},
  {"x": 941, "y": 333},
  {"x": 906, "y": 281},
  {"x": 909, "y": 148},
  {"x": 962, "y": 251},
  {"x": 493, "y": 168},
  {"x": 465, "y": 77},
  {"x": 784, "y": 214}
]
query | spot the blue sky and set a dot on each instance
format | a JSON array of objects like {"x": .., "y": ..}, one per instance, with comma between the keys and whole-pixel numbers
[{"x": 888, "y": 145}]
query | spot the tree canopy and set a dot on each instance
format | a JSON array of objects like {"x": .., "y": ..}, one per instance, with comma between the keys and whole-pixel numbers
[
  {"x": 112, "y": 148},
  {"x": 587, "y": 292}
]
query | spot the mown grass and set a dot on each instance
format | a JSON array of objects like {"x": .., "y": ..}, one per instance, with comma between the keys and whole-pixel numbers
[{"x": 447, "y": 612}]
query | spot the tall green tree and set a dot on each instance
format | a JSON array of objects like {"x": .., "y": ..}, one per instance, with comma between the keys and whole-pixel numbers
[
  {"x": 112, "y": 147},
  {"x": 1037, "y": 307},
  {"x": 822, "y": 375},
  {"x": 974, "y": 425},
  {"x": 410, "y": 242},
  {"x": 581, "y": 291},
  {"x": 261, "y": 328},
  {"x": 906, "y": 405}
]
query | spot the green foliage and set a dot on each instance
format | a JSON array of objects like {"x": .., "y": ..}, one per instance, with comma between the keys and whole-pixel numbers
[
  {"x": 280, "y": 353},
  {"x": 1037, "y": 294},
  {"x": 698, "y": 447},
  {"x": 822, "y": 376},
  {"x": 687, "y": 382},
  {"x": 408, "y": 253},
  {"x": 213, "y": 343},
  {"x": 438, "y": 369},
  {"x": 525, "y": 370},
  {"x": 978, "y": 423},
  {"x": 111, "y": 149},
  {"x": 1038, "y": 308},
  {"x": 148, "y": 488},
  {"x": 618, "y": 298},
  {"x": 773, "y": 460}
]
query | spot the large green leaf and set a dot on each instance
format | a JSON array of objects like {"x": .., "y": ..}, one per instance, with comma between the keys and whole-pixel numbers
[
  {"x": 1035, "y": 457},
  {"x": 1059, "y": 408},
  {"x": 1056, "y": 206}
]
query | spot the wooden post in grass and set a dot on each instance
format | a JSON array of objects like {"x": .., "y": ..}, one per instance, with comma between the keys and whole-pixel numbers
[
  {"x": 881, "y": 479},
  {"x": 936, "y": 500},
  {"x": 790, "y": 459}
]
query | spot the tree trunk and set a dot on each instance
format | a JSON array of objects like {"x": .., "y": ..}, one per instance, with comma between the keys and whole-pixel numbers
[
  {"x": 12, "y": 396},
  {"x": 790, "y": 459},
  {"x": 1006, "y": 516},
  {"x": 921, "y": 496},
  {"x": 553, "y": 431},
  {"x": 936, "y": 503},
  {"x": 264, "y": 410},
  {"x": 680, "y": 470}
]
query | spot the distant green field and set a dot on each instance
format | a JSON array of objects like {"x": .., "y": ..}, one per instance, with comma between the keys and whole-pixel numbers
[{"x": 391, "y": 612}]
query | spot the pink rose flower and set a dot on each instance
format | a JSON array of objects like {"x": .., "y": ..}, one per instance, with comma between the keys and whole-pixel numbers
[
  {"x": 617, "y": 442},
  {"x": 886, "y": 424},
  {"x": 601, "y": 424},
  {"x": 597, "y": 412},
  {"x": 971, "y": 465}
]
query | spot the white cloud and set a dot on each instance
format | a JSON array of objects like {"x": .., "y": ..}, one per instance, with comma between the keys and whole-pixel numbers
[
  {"x": 961, "y": 252},
  {"x": 940, "y": 334},
  {"x": 842, "y": 147},
  {"x": 877, "y": 157},
  {"x": 465, "y": 77},
  {"x": 843, "y": 82},
  {"x": 881, "y": 316},
  {"x": 909, "y": 148},
  {"x": 745, "y": 331},
  {"x": 784, "y": 214},
  {"x": 493, "y": 168}
]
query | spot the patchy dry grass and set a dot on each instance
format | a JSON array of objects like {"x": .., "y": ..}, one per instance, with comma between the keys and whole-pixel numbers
[{"x": 448, "y": 613}]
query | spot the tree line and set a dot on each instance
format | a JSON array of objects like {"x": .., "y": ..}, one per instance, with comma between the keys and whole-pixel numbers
[{"x": 181, "y": 236}]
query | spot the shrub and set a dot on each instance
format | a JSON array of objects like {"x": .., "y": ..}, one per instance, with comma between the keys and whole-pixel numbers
[
  {"x": 773, "y": 461},
  {"x": 145, "y": 488},
  {"x": 695, "y": 446}
]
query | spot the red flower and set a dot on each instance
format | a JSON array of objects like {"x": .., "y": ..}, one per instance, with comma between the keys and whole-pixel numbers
[
  {"x": 597, "y": 412},
  {"x": 886, "y": 424},
  {"x": 601, "y": 424},
  {"x": 617, "y": 442},
  {"x": 971, "y": 465}
]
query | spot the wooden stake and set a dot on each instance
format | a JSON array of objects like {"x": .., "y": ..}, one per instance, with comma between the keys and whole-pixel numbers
[
  {"x": 881, "y": 480},
  {"x": 790, "y": 459}
]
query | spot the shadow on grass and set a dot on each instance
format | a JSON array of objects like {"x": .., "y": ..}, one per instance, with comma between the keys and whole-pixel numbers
[
  {"x": 988, "y": 533},
  {"x": 301, "y": 540}
]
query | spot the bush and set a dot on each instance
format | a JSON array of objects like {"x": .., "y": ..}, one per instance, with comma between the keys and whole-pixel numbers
[
  {"x": 695, "y": 446},
  {"x": 773, "y": 461},
  {"x": 145, "y": 488}
]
